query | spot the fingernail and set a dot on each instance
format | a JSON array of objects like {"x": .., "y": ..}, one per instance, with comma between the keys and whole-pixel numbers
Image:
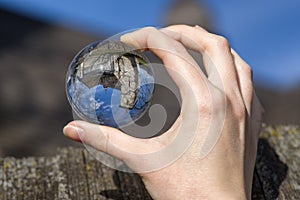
[
  {"x": 70, "y": 130},
  {"x": 197, "y": 26},
  {"x": 200, "y": 28},
  {"x": 125, "y": 38}
]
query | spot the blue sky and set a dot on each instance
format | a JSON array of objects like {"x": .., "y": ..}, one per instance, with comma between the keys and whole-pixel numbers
[{"x": 266, "y": 33}]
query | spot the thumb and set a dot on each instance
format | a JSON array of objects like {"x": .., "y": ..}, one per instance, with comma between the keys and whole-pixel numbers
[{"x": 106, "y": 139}]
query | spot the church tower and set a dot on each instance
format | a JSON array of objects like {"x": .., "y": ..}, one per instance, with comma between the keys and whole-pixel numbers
[{"x": 191, "y": 12}]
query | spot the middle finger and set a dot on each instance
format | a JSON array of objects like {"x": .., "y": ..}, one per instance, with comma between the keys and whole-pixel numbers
[{"x": 216, "y": 53}]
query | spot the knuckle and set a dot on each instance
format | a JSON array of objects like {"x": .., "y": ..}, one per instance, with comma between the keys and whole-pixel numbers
[
  {"x": 106, "y": 141},
  {"x": 240, "y": 111},
  {"x": 104, "y": 136},
  {"x": 213, "y": 102},
  {"x": 177, "y": 47},
  {"x": 241, "y": 114},
  {"x": 205, "y": 108},
  {"x": 221, "y": 100},
  {"x": 237, "y": 107},
  {"x": 216, "y": 42},
  {"x": 222, "y": 42}
]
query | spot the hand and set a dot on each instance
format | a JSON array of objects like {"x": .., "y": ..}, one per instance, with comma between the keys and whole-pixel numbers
[{"x": 226, "y": 170}]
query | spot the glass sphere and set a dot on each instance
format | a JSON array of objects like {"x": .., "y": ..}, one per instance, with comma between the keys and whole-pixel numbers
[{"x": 110, "y": 83}]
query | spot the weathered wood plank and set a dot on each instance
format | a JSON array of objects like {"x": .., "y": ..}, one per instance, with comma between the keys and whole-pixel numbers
[
  {"x": 94, "y": 176},
  {"x": 283, "y": 170},
  {"x": 2, "y": 179},
  {"x": 257, "y": 190},
  {"x": 100, "y": 178},
  {"x": 75, "y": 174}
]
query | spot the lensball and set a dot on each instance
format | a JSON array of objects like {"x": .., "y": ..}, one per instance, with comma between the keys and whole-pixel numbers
[{"x": 110, "y": 83}]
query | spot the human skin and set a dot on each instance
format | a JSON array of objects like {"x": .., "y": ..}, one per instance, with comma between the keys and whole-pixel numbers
[{"x": 227, "y": 171}]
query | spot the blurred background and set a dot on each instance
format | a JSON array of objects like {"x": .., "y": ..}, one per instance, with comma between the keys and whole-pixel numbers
[{"x": 38, "y": 40}]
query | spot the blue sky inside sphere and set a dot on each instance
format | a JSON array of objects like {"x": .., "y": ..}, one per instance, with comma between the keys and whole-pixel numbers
[{"x": 265, "y": 33}]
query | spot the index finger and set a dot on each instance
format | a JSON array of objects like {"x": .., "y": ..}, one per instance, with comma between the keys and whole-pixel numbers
[{"x": 178, "y": 62}]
